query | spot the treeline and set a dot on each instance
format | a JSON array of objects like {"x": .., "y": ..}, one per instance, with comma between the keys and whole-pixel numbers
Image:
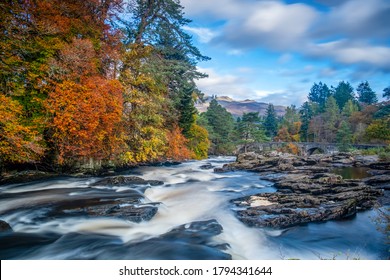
[
  {"x": 332, "y": 114},
  {"x": 97, "y": 82}
]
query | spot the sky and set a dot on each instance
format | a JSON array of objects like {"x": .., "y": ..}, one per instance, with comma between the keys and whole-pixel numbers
[{"x": 273, "y": 51}]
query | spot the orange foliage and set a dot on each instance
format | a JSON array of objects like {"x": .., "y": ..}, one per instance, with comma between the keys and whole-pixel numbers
[
  {"x": 18, "y": 143},
  {"x": 86, "y": 119},
  {"x": 283, "y": 135},
  {"x": 177, "y": 149},
  {"x": 290, "y": 148}
]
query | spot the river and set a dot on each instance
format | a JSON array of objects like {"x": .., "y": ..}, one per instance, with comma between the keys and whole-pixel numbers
[{"x": 195, "y": 220}]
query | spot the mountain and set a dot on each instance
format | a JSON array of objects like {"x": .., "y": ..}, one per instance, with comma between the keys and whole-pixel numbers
[{"x": 237, "y": 108}]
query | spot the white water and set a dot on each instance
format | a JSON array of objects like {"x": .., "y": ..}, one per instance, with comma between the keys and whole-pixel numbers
[{"x": 189, "y": 194}]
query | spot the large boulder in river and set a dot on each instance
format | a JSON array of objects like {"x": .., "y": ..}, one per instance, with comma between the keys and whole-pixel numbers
[
  {"x": 125, "y": 181},
  {"x": 305, "y": 198},
  {"x": 4, "y": 226}
]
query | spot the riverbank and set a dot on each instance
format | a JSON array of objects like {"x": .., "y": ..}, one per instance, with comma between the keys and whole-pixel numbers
[{"x": 308, "y": 190}]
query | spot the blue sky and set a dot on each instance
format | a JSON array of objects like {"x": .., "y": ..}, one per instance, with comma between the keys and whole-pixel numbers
[{"x": 274, "y": 51}]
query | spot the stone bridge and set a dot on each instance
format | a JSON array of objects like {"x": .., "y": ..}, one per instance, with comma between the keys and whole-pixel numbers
[{"x": 305, "y": 148}]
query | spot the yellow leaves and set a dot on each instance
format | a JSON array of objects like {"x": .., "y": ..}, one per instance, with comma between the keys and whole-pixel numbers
[
  {"x": 199, "y": 142},
  {"x": 18, "y": 143}
]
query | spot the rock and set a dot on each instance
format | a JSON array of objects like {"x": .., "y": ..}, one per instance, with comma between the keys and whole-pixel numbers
[
  {"x": 206, "y": 166},
  {"x": 4, "y": 226},
  {"x": 382, "y": 181},
  {"x": 303, "y": 198},
  {"x": 307, "y": 191},
  {"x": 380, "y": 165},
  {"x": 281, "y": 210},
  {"x": 125, "y": 181},
  {"x": 134, "y": 213}
]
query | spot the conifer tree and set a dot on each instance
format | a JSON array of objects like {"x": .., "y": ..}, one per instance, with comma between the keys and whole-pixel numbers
[
  {"x": 365, "y": 94},
  {"x": 271, "y": 122}
]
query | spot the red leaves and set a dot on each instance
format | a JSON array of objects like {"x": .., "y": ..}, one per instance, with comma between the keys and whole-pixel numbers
[
  {"x": 86, "y": 118},
  {"x": 177, "y": 149}
]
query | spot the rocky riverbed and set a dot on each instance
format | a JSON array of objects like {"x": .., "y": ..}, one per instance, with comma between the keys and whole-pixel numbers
[{"x": 307, "y": 190}]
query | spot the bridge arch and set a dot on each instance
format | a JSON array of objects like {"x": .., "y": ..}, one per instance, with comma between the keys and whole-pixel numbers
[{"x": 312, "y": 150}]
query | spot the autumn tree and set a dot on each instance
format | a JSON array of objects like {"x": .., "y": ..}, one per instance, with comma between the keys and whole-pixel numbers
[
  {"x": 18, "y": 142},
  {"x": 177, "y": 145},
  {"x": 198, "y": 141},
  {"x": 144, "y": 102},
  {"x": 290, "y": 126},
  {"x": 160, "y": 24}
]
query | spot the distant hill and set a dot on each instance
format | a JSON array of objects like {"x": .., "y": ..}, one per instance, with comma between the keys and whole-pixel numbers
[{"x": 237, "y": 108}]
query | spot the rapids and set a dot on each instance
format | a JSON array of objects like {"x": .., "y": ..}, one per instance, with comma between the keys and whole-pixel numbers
[{"x": 195, "y": 220}]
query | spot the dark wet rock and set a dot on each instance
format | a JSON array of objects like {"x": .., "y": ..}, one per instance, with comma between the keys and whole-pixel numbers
[
  {"x": 206, "y": 166},
  {"x": 307, "y": 191},
  {"x": 88, "y": 202},
  {"x": 126, "y": 205},
  {"x": 381, "y": 181},
  {"x": 132, "y": 212},
  {"x": 16, "y": 245},
  {"x": 126, "y": 181},
  {"x": 302, "y": 198},
  {"x": 380, "y": 165},
  {"x": 4, "y": 226},
  {"x": 16, "y": 177},
  {"x": 193, "y": 241}
]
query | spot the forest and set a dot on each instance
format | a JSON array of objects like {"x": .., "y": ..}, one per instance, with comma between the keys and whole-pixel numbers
[
  {"x": 112, "y": 82},
  {"x": 97, "y": 82},
  {"x": 338, "y": 114}
]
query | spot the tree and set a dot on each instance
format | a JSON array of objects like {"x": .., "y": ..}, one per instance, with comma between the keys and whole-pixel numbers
[
  {"x": 271, "y": 122},
  {"x": 342, "y": 93},
  {"x": 386, "y": 93},
  {"x": 177, "y": 145},
  {"x": 290, "y": 125},
  {"x": 86, "y": 118},
  {"x": 249, "y": 129},
  {"x": 187, "y": 110},
  {"x": 350, "y": 108},
  {"x": 222, "y": 124},
  {"x": 379, "y": 131},
  {"x": 365, "y": 94},
  {"x": 319, "y": 93},
  {"x": 306, "y": 114},
  {"x": 331, "y": 117},
  {"x": 18, "y": 143},
  {"x": 344, "y": 136},
  {"x": 198, "y": 141},
  {"x": 160, "y": 24},
  {"x": 144, "y": 108}
]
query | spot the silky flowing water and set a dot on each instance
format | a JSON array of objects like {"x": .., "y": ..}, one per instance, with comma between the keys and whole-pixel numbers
[{"x": 189, "y": 195}]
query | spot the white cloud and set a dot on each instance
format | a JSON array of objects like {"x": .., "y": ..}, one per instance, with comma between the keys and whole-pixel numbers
[
  {"x": 285, "y": 58},
  {"x": 224, "y": 84},
  {"x": 348, "y": 53},
  {"x": 204, "y": 34},
  {"x": 235, "y": 52},
  {"x": 301, "y": 28}
]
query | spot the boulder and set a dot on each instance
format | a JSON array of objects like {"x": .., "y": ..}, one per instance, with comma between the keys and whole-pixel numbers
[
  {"x": 4, "y": 226},
  {"x": 206, "y": 166},
  {"x": 126, "y": 181}
]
